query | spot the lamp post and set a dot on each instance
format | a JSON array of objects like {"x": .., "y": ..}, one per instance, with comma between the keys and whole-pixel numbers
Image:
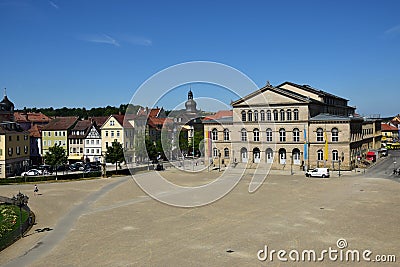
[
  {"x": 20, "y": 200},
  {"x": 394, "y": 167},
  {"x": 219, "y": 161}
]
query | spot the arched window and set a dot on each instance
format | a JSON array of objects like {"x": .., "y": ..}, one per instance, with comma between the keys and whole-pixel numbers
[
  {"x": 335, "y": 135},
  {"x": 250, "y": 115},
  {"x": 320, "y": 135},
  {"x": 275, "y": 115},
  {"x": 320, "y": 155},
  {"x": 269, "y": 135},
  {"x": 243, "y": 154},
  {"x": 335, "y": 155},
  {"x": 296, "y": 114},
  {"x": 269, "y": 115},
  {"x": 214, "y": 134},
  {"x": 243, "y": 115},
  {"x": 255, "y": 115},
  {"x": 256, "y": 135},
  {"x": 282, "y": 112},
  {"x": 269, "y": 155},
  {"x": 282, "y": 135},
  {"x": 226, "y": 152},
  {"x": 262, "y": 115},
  {"x": 289, "y": 115},
  {"x": 296, "y": 135},
  {"x": 215, "y": 152},
  {"x": 243, "y": 134},
  {"x": 226, "y": 135},
  {"x": 282, "y": 156}
]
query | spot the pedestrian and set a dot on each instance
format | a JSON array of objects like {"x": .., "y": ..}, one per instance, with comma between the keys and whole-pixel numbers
[{"x": 35, "y": 190}]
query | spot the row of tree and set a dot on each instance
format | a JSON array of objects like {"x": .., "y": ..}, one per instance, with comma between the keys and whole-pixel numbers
[{"x": 83, "y": 112}]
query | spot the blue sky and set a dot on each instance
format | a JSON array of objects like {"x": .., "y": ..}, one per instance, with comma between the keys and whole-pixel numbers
[{"x": 97, "y": 53}]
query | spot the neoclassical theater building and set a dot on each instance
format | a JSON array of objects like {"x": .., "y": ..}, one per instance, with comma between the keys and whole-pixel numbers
[{"x": 291, "y": 127}]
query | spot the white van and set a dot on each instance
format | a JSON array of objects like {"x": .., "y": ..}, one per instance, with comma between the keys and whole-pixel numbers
[{"x": 318, "y": 172}]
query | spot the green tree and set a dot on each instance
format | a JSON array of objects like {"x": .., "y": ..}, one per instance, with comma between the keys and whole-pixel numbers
[
  {"x": 115, "y": 154},
  {"x": 56, "y": 156}
]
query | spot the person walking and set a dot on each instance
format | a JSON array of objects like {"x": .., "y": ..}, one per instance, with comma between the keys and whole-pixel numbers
[{"x": 35, "y": 190}]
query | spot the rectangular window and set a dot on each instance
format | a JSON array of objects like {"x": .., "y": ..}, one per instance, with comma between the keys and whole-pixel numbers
[
  {"x": 106, "y": 144},
  {"x": 87, "y": 142},
  {"x": 81, "y": 150},
  {"x": 17, "y": 137},
  {"x": 92, "y": 151},
  {"x": 9, "y": 138},
  {"x": 106, "y": 133},
  {"x": 92, "y": 142},
  {"x": 55, "y": 133},
  {"x": 44, "y": 133},
  {"x": 112, "y": 133},
  {"x": 44, "y": 143},
  {"x": 87, "y": 150},
  {"x": 296, "y": 136},
  {"x": 244, "y": 136},
  {"x": 49, "y": 133},
  {"x": 97, "y": 142},
  {"x": 117, "y": 133},
  {"x": 49, "y": 142},
  {"x": 97, "y": 151}
]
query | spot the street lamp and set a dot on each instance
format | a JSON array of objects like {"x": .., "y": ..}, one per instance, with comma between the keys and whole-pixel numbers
[
  {"x": 20, "y": 200},
  {"x": 219, "y": 161}
]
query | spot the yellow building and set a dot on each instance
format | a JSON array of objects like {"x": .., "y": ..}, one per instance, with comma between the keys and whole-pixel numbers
[
  {"x": 14, "y": 149},
  {"x": 56, "y": 133},
  {"x": 116, "y": 129}
]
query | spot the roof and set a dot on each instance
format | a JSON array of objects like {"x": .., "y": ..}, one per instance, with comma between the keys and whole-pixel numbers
[
  {"x": 388, "y": 128},
  {"x": 219, "y": 115},
  {"x": 22, "y": 117},
  {"x": 11, "y": 127},
  {"x": 61, "y": 123},
  {"x": 278, "y": 90},
  {"x": 36, "y": 131},
  {"x": 155, "y": 122},
  {"x": 98, "y": 120},
  {"x": 219, "y": 121},
  {"x": 82, "y": 125},
  {"x": 313, "y": 90},
  {"x": 331, "y": 117}
]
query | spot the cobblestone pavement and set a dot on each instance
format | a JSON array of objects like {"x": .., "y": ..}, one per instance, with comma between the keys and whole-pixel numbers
[{"x": 111, "y": 222}]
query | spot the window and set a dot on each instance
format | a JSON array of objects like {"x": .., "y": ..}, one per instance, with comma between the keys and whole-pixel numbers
[
  {"x": 282, "y": 112},
  {"x": 244, "y": 134},
  {"x": 10, "y": 138},
  {"x": 10, "y": 151},
  {"x": 81, "y": 150},
  {"x": 275, "y": 115},
  {"x": 289, "y": 115},
  {"x": 335, "y": 155},
  {"x": 111, "y": 123},
  {"x": 49, "y": 142},
  {"x": 44, "y": 143},
  {"x": 296, "y": 135},
  {"x": 97, "y": 142},
  {"x": 87, "y": 142},
  {"x": 269, "y": 155},
  {"x": 269, "y": 135},
  {"x": 74, "y": 150},
  {"x": 320, "y": 135},
  {"x": 55, "y": 133},
  {"x": 87, "y": 150},
  {"x": 320, "y": 155},
  {"x": 92, "y": 150},
  {"x": 255, "y": 115},
  {"x": 63, "y": 133},
  {"x": 243, "y": 115},
  {"x": 296, "y": 114},
  {"x": 226, "y": 135},
  {"x": 214, "y": 134},
  {"x": 215, "y": 152},
  {"x": 269, "y": 115},
  {"x": 117, "y": 133},
  {"x": 97, "y": 151},
  {"x": 262, "y": 115},
  {"x": 335, "y": 135},
  {"x": 92, "y": 142},
  {"x": 44, "y": 133},
  {"x": 112, "y": 133},
  {"x": 106, "y": 133},
  {"x": 250, "y": 115},
  {"x": 226, "y": 153},
  {"x": 17, "y": 137},
  {"x": 18, "y": 150},
  {"x": 256, "y": 135},
  {"x": 106, "y": 144},
  {"x": 282, "y": 135},
  {"x": 49, "y": 133}
]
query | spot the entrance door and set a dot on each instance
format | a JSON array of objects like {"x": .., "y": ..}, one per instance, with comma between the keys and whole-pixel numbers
[
  {"x": 256, "y": 155},
  {"x": 243, "y": 154},
  {"x": 282, "y": 156},
  {"x": 296, "y": 156}
]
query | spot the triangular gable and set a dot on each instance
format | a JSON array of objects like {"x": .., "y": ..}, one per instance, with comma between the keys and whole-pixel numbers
[
  {"x": 106, "y": 124},
  {"x": 270, "y": 95}
]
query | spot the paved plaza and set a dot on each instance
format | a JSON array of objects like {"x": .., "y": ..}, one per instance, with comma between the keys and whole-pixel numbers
[{"x": 112, "y": 222}]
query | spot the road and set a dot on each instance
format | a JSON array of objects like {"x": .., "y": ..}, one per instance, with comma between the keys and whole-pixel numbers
[{"x": 384, "y": 168}]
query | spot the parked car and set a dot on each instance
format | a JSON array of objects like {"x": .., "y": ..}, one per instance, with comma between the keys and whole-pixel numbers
[
  {"x": 32, "y": 172},
  {"x": 318, "y": 172}
]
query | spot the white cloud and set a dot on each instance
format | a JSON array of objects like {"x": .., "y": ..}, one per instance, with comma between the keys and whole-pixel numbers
[
  {"x": 393, "y": 31},
  {"x": 54, "y": 4},
  {"x": 136, "y": 40},
  {"x": 100, "y": 38}
]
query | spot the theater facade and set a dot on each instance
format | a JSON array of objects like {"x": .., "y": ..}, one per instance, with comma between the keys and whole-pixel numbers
[{"x": 291, "y": 127}]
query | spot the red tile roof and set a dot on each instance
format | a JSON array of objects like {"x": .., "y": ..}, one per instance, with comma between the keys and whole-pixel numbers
[
  {"x": 99, "y": 120},
  {"x": 60, "y": 123},
  {"x": 30, "y": 117},
  {"x": 388, "y": 128},
  {"x": 36, "y": 131},
  {"x": 219, "y": 115}
]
